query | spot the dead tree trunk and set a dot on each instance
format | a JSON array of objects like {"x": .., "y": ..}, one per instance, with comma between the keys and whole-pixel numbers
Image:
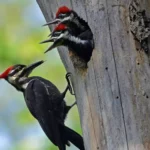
[{"x": 114, "y": 96}]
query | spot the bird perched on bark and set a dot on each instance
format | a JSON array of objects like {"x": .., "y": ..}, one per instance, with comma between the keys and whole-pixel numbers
[
  {"x": 45, "y": 102},
  {"x": 79, "y": 39}
]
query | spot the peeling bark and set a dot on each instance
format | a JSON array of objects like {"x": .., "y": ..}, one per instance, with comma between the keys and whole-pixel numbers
[{"x": 139, "y": 24}]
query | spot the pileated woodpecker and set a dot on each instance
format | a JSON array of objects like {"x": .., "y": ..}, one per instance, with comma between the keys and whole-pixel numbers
[
  {"x": 81, "y": 43},
  {"x": 45, "y": 103},
  {"x": 71, "y": 19},
  {"x": 81, "y": 46}
]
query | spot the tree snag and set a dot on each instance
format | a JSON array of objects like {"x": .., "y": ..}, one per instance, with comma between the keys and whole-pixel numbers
[{"x": 113, "y": 96}]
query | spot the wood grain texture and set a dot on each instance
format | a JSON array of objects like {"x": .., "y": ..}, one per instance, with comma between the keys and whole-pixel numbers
[{"x": 113, "y": 97}]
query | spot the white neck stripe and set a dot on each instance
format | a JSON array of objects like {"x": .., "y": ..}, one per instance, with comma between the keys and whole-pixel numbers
[{"x": 77, "y": 40}]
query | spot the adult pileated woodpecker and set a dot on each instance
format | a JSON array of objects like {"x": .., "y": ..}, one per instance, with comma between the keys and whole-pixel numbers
[
  {"x": 71, "y": 19},
  {"x": 45, "y": 103},
  {"x": 80, "y": 46}
]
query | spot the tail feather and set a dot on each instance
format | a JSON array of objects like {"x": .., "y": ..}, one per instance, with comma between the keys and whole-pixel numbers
[
  {"x": 73, "y": 137},
  {"x": 62, "y": 147}
]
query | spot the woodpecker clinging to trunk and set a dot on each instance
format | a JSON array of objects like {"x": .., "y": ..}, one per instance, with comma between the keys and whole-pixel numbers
[
  {"x": 45, "y": 103},
  {"x": 80, "y": 46},
  {"x": 71, "y": 19}
]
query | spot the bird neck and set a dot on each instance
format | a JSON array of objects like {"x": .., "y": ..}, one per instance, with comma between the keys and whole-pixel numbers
[
  {"x": 19, "y": 83},
  {"x": 78, "y": 24},
  {"x": 73, "y": 41},
  {"x": 75, "y": 44}
]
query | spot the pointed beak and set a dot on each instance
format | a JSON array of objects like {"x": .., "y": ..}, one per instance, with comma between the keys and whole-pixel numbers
[
  {"x": 54, "y": 45},
  {"x": 52, "y": 22},
  {"x": 27, "y": 71},
  {"x": 50, "y": 34},
  {"x": 52, "y": 39}
]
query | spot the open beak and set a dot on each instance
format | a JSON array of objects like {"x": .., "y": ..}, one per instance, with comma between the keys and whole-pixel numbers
[
  {"x": 27, "y": 71},
  {"x": 54, "y": 45},
  {"x": 52, "y": 39},
  {"x": 52, "y": 22},
  {"x": 50, "y": 34}
]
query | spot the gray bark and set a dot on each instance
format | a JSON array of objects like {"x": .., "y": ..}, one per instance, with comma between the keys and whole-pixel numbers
[{"x": 114, "y": 95}]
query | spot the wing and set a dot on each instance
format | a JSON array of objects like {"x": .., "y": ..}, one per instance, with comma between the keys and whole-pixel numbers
[
  {"x": 39, "y": 102},
  {"x": 30, "y": 99}
]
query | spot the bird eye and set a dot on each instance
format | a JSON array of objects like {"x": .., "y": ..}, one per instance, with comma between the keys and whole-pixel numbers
[
  {"x": 61, "y": 16},
  {"x": 56, "y": 34},
  {"x": 18, "y": 68},
  {"x": 11, "y": 72}
]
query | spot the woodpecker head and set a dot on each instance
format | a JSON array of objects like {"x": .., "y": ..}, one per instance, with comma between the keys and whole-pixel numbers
[
  {"x": 58, "y": 36},
  {"x": 63, "y": 15},
  {"x": 15, "y": 74}
]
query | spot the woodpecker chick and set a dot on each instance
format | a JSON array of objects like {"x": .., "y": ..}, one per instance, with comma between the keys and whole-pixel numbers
[
  {"x": 71, "y": 19},
  {"x": 80, "y": 31},
  {"x": 80, "y": 47},
  {"x": 45, "y": 102}
]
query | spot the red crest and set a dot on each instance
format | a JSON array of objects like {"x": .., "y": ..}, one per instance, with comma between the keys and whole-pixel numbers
[
  {"x": 6, "y": 72},
  {"x": 60, "y": 27},
  {"x": 63, "y": 10}
]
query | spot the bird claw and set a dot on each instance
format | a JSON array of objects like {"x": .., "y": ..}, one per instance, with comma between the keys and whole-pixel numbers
[
  {"x": 68, "y": 74},
  {"x": 69, "y": 83}
]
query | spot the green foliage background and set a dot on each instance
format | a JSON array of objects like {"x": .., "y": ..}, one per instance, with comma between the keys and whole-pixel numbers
[{"x": 20, "y": 33}]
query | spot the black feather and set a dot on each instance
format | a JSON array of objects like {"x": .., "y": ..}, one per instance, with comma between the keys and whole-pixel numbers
[{"x": 47, "y": 105}]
